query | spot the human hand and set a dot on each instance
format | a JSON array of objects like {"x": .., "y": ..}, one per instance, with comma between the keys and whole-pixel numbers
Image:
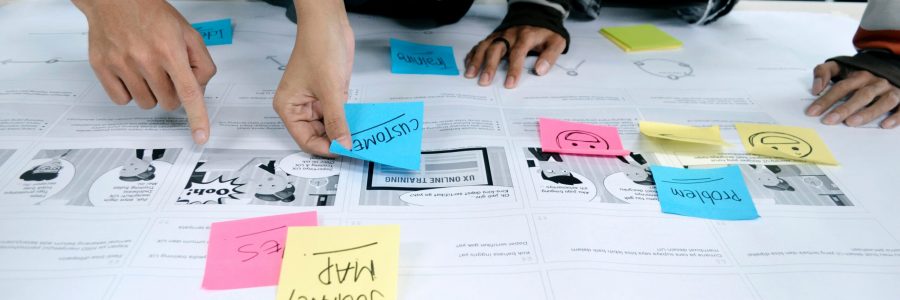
[
  {"x": 145, "y": 50},
  {"x": 870, "y": 97},
  {"x": 310, "y": 98},
  {"x": 486, "y": 55}
]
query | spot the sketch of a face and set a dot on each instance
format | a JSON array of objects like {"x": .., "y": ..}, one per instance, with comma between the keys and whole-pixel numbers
[
  {"x": 272, "y": 187},
  {"x": 781, "y": 142},
  {"x": 670, "y": 69},
  {"x": 46, "y": 171},
  {"x": 768, "y": 179},
  {"x": 581, "y": 140},
  {"x": 559, "y": 176},
  {"x": 639, "y": 175},
  {"x": 136, "y": 169}
]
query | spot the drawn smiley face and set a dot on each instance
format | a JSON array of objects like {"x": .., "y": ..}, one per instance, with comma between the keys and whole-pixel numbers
[
  {"x": 781, "y": 142},
  {"x": 581, "y": 140}
]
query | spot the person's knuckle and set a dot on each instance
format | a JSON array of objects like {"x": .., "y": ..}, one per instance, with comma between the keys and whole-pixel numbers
[
  {"x": 893, "y": 97},
  {"x": 189, "y": 94},
  {"x": 210, "y": 71},
  {"x": 843, "y": 85},
  {"x": 168, "y": 105},
  {"x": 843, "y": 110}
]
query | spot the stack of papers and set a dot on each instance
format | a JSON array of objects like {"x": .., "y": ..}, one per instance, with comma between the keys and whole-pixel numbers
[{"x": 642, "y": 37}]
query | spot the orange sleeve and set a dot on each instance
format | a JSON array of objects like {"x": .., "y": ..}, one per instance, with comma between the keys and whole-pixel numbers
[{"x": 877, "y": 39}]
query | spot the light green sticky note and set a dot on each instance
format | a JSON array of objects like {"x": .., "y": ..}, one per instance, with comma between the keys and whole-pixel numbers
[{"x": 641, "y": 37}]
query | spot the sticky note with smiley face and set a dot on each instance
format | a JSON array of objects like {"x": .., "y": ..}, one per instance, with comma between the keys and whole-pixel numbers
[
  {"x": 796, "y": 143},
  {"x": 578, "y": 138}
]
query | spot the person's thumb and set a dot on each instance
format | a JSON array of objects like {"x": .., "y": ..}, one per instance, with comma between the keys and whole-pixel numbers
[{"x": 335, "y": 121}]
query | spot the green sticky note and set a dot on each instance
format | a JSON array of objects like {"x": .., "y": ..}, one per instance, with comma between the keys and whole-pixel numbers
[{"x": 641, "y": 37}]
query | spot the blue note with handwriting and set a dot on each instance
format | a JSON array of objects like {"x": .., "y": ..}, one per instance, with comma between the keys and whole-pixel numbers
[
  {"x": 385, "y": 133},
  {"x": 718, "y": 193},
  {"x": 216, "y": 32},
  {"x": 413, "y": 58}
]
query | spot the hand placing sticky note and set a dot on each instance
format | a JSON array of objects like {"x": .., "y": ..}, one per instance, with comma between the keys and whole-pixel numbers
[
  {"x": 719, "y": 193},
  {"x": 413, "y": 58},
  {"x": 796, "y": 143},
  {"x": 641, "y": 37},
  {"x": 348, "y": 262},
  {"x": 216, "y": 32},
  {"x": 578, "y": 138},
  {"x": 247, "y": 253},
  {"x": 682, "y": 133},
  {"x": 385, "y": 133}
]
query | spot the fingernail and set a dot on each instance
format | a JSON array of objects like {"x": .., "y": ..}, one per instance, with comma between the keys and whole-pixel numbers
[
  {"x": 470, "y": 72},
  {"x": 200, "y": 136},
  {"x": 485, "y": 79},
  {"x": 889, "y": 123},
  {"x": 817, "y": 86},
  {"x": 814, "y": 110},
  {"x": 510, "y": 82},
  {"x": 832, "y": 118},
  {"x": 542, "y": 67},
  {"x": 855, "y": 121},
  {"x": 344, "y": 141}
]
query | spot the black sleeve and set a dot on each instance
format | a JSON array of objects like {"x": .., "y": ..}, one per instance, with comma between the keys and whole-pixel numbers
[
  {"x": 531, "y": 14},
  {"x": 881, "y": 63}
]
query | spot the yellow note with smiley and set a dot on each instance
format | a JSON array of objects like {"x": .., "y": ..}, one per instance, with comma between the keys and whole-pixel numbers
[
  {"x": 796, "y": 143},
  {"x": 682, "y": 133}
]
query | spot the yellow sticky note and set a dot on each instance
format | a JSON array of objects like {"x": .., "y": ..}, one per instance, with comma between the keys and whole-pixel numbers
[
  {"x": 681, "y": 133},
  {"x": 795, "y": 143},
  {"x": 340, "y": 262},
  {"x": 641, "y": 37}
]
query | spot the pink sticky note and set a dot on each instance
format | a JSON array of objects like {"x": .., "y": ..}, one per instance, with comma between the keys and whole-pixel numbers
[
  {"x": 247, "y": 253},
  {"x": 579, "y": 138}
]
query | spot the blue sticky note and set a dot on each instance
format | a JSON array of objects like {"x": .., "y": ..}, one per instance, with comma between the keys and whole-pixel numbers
[
  {"x": 718, "y": 193},
  {"x": 413, "y": 58},
  {"x": 216, "y": 32},
  {"x": 385, "y": 133}
]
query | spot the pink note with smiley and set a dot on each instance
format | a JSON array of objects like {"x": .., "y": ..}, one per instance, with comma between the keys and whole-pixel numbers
[
  {"x": 578, "y": 138},
  {"x": 247, "y": 253}
]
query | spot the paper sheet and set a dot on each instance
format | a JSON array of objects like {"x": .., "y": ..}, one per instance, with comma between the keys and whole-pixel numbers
[
  {"x": 789, "y": 142},
  {"x": 718, "y": 193},
  {"x": 681, "y": 133},
  {"x": 386, "y": 133},
  {"x": 578, "y": 138},
  {"x": 342, "y": 262},
  {"x": 216, "y": 32},
  {"x": 247, "y": 253},
  {"x": 414, "y": 58},
  {"x": 642, "y": 37}
]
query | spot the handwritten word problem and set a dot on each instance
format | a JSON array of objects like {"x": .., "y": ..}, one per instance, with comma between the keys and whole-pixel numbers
[
  {"x": 706, "y": 196},
  {"x": 340, "y": 263},
  {"x": 718, "y": 193}
]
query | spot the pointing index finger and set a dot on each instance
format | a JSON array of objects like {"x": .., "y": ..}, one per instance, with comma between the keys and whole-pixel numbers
[{"x": 191, "y": 95}]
